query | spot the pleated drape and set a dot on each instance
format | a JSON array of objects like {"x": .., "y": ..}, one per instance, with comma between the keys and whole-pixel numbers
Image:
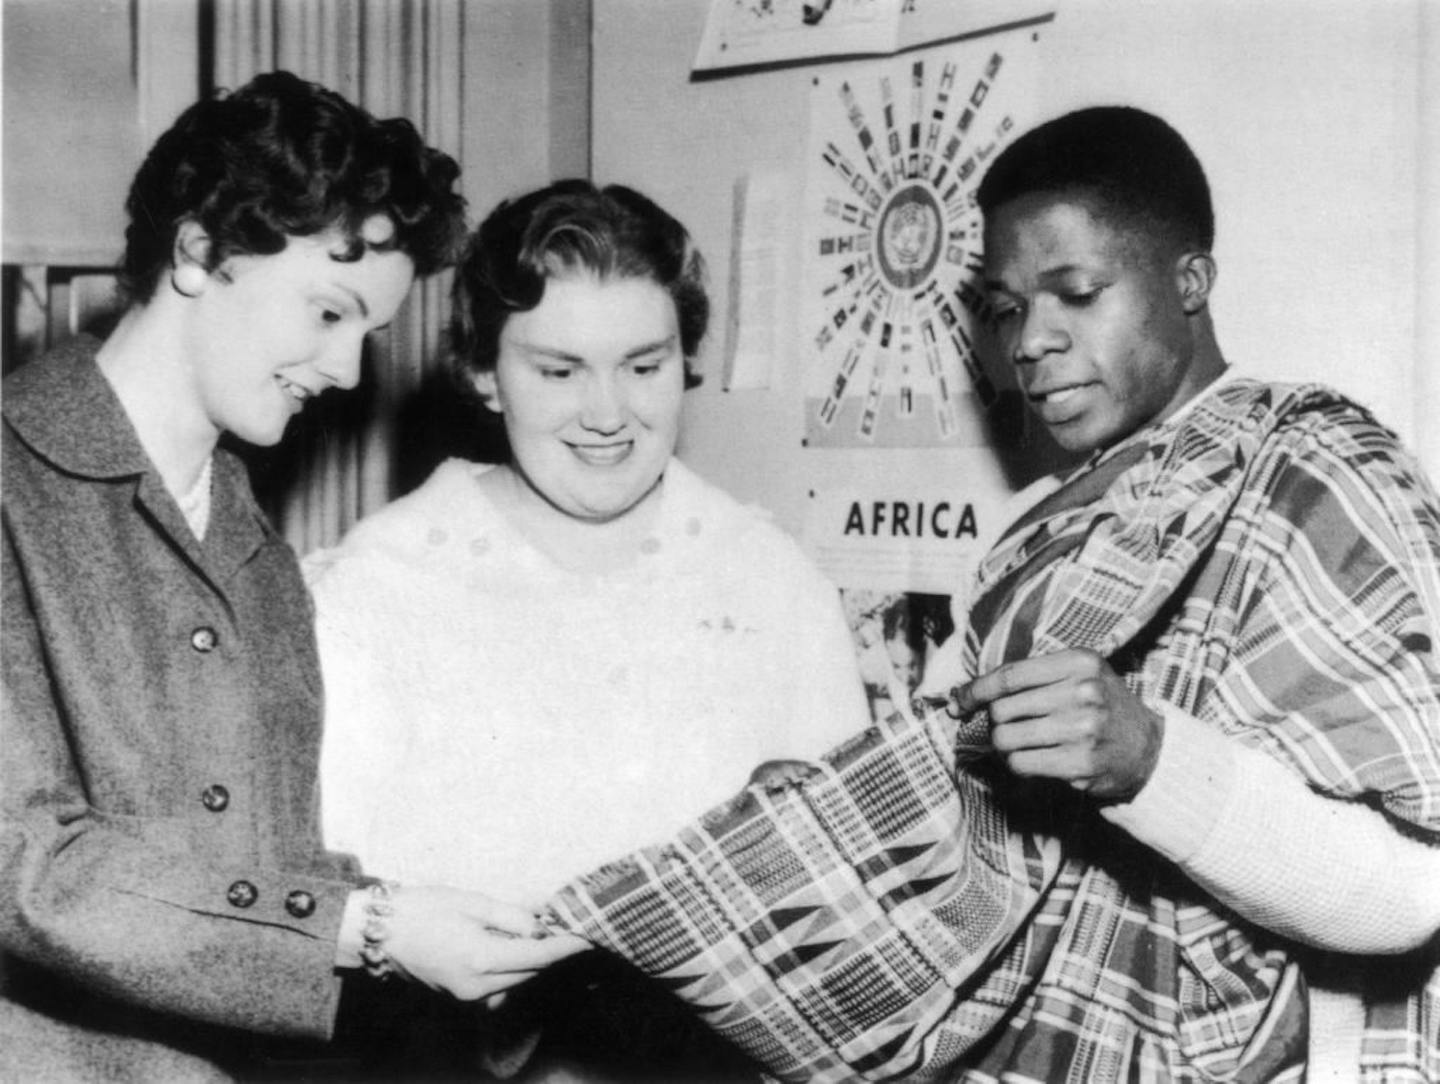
[{"x": 395, "y": 58}]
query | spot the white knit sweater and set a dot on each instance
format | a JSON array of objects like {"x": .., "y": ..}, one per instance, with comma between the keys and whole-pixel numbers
[
  {"x": 498, "y": 722},
  {"x": 1328, "y": 873}
]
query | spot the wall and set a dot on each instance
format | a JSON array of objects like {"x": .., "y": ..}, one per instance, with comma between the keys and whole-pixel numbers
[
  {"x": 1305, "y": 112},
  {"x": 81, "y": 54},
  {"x": 526, "y": 66},
  {"x": 1306, "y": 115},
  {"x": 1427, "y": 281},
  {"x": 88, "y": 84}
]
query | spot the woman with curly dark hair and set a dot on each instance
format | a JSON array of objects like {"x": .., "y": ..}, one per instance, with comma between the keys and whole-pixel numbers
[{"x": 164, "y": 893}]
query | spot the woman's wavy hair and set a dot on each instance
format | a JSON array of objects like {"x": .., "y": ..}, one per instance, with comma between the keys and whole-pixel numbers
[
  {"x": 279, "y": 158},
  {"x": 567, "y": 228}
]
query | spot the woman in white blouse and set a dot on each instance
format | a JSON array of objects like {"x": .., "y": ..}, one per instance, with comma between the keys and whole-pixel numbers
[{"x": 537, "y": 666}]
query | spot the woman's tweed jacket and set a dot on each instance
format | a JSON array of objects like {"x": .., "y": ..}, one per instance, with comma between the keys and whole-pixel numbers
[{"x": 162, "y": 881}]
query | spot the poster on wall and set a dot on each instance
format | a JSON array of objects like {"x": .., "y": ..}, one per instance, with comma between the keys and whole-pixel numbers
[
  {"x": 905, "y": 645},
  {"x": 759, "y": 33},
  {"x": 891, "y": 241},
  {"x": 900, "y": 531},
  {"x": 913, "y": 520},
  {"x": 906, "y": 429}
]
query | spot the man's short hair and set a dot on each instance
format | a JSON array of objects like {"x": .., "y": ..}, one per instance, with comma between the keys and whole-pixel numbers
[{"x": 1130, "y": 166}]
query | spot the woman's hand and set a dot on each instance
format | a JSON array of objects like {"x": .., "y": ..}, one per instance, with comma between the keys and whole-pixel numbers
[{"x": 463, "y": 943}]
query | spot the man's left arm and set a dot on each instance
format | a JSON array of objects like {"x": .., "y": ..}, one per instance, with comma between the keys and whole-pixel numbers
[
  {"x": 1331, "y": 677},
  {"x": 1251, "y": 833},
  {"x": 1332, "y": 873}
]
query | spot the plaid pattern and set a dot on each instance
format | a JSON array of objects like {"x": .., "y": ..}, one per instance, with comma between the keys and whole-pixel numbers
[
  {"x": 819, "y": 933},
  {"x": 1267, "y": 562}
]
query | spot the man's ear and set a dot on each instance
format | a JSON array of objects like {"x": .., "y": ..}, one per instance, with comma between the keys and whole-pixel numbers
[
  {"x": 190, "y": 256},
  {"x": 1195, "y": 277},
  {"x": 488, "y": 389}
]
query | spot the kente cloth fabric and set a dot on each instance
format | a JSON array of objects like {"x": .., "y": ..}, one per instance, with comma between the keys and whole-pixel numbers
[{"x": 1267, "y": 562}]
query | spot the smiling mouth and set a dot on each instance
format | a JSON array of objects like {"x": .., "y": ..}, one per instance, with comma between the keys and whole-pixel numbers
[
  {"x": 1059, "y": 404},
  {"x": 1056, "y": 395},
  {"x": 298, "y": 392},
  {"x": 602, "y": 455}
]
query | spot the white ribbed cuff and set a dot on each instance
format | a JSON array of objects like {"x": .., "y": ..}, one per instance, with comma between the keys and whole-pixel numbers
[
  {"x": 1323, "y": 871},
  {"x": 1176, "y": 811}
]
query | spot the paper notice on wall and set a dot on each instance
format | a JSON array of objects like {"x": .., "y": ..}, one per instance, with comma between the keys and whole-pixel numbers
[
  {"x": 750, "y": 33},
  {"x": 758, "y": 271},
  {"x": 901, "y": 532},
  {"x": 902, "y": 519}
]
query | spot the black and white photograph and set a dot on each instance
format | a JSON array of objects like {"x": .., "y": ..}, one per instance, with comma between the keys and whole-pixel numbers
[{"x": 720, "y": 541}]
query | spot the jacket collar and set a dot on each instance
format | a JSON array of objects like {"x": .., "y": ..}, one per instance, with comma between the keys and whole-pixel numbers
[{"x": 64, "y": 408}]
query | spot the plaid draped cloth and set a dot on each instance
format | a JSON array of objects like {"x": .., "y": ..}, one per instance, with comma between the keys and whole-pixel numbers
[{"x": 1269, "y": 562}]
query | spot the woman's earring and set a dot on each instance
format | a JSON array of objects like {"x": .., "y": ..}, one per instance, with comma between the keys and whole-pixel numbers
[
  {"x": 488, "y": 391},
  {"x": 189, "y": 279}
]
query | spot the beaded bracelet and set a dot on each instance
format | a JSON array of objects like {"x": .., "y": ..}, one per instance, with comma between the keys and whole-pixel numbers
[{"x": 378, "y": 908}]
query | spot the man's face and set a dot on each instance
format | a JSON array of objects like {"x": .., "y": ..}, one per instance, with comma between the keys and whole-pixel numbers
[{"x": 1091, "y": 316}]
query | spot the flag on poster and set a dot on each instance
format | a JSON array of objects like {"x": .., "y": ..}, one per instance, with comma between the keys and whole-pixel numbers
[{"x": 892, "y": 310}]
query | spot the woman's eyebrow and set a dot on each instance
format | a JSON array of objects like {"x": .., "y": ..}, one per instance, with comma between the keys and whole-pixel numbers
[
  {"x": 650, "y": 348},
  {"x": 552, "y": 352},
  {"x": 557, "y": 354},
  {"x": 355, "y": 296}
]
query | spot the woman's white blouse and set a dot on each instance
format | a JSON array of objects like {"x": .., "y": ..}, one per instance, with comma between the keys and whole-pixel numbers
[{"x": 494, "y": 721}]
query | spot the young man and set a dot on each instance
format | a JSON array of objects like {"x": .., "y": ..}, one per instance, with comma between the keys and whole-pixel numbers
[
  {"x": 1184, "y": 821},
  {"x": 1226, "y": 622}
]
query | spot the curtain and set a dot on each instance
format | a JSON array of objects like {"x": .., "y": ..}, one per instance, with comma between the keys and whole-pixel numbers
[{"x": 394, "y": 58}]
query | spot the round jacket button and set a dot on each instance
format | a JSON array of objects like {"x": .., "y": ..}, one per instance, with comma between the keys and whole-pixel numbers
[
  {"x": 242, "y": 894},
  {"x": 204, "y": 639},
  {"x": 215, "y": 798},
  {"x": 300, "y": 903}
]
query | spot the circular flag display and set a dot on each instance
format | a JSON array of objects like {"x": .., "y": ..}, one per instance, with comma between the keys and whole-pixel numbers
[{"x": 892, "y": 264}]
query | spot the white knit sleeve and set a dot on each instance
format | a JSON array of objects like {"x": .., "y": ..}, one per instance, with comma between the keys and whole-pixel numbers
[
  {"x": 364, "y": 737},
  {"x": 1334, "y": 874},
  {"x": 829, "y": 703}
]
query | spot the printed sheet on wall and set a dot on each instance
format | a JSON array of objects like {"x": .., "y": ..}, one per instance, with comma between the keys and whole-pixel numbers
[
  {"x": 742, "y": 34},
  {"x": 906, "y": 409}
]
